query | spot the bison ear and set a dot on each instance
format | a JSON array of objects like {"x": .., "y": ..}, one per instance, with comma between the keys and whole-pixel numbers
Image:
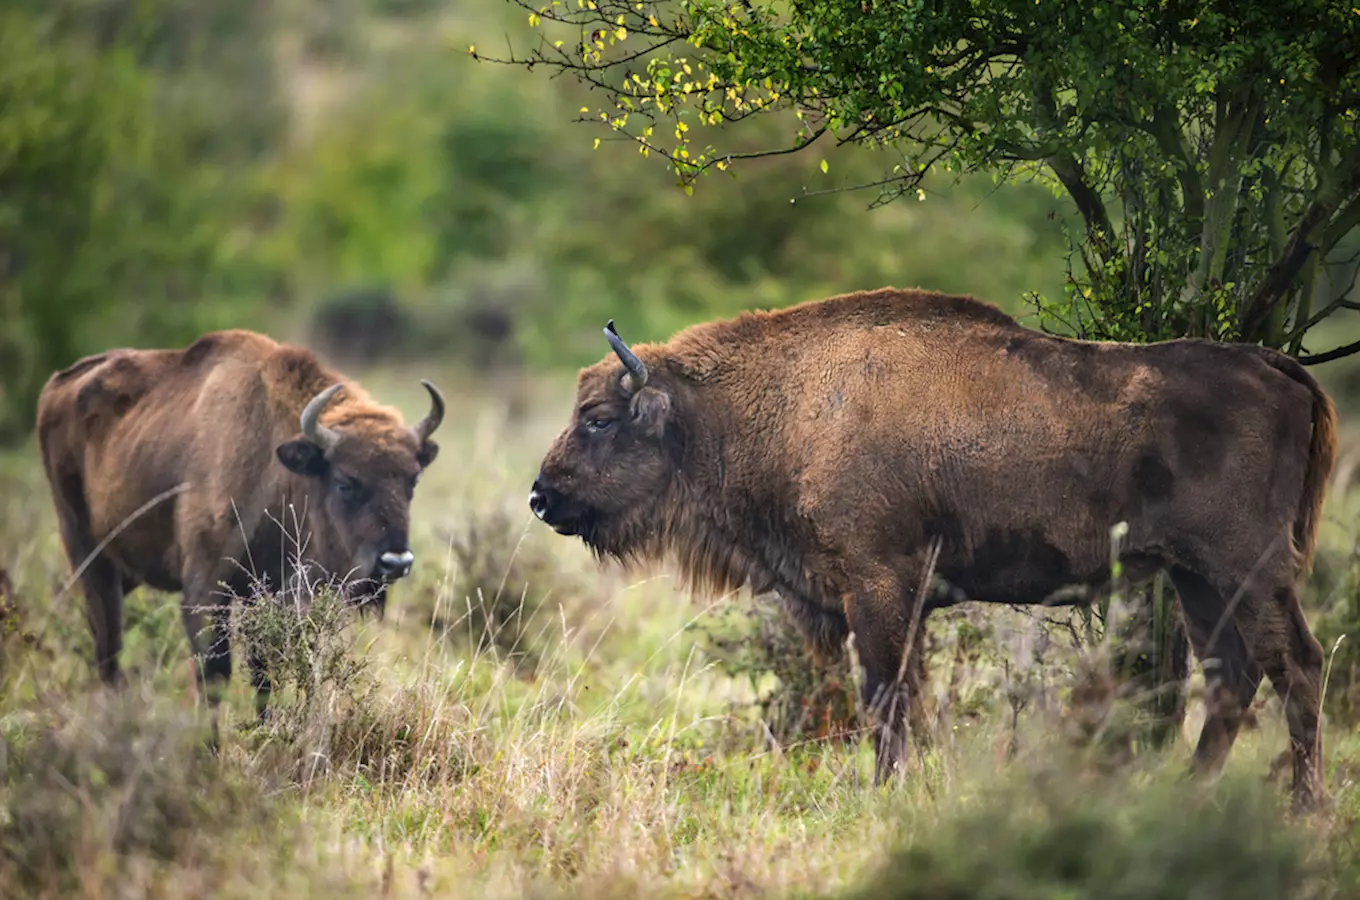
[
  {"x": 302, "y": 458},
  {"x": 427, "y": 453},
  {"x": 651, "y": 409}
]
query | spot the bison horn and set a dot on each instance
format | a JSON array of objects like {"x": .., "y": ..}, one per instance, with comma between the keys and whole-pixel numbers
[
  {"x": 312, "y": 429},
  {"x": 426, "y": 426},
  {"x": 637, "y": 370}
]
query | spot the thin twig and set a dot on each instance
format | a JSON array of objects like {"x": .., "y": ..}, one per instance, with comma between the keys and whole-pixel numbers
[
  {"x": 932, "y": 557},
  {"x": 99, "y": 548}
]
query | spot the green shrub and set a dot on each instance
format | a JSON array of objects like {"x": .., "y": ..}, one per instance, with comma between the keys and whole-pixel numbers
[
  {"x": 502, "y": 594},
  {"x": 1065, "y": 833},
  {"x": 115, "y": 217},
  {"x": 796, "y": 696},
  {"x": 115, "y": 779}
]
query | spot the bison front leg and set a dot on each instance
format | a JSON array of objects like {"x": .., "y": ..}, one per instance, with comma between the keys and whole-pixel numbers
[
  {"x": 879, "y": 612},
  {"x": 206, "y": 622},
  {"x": 261, "y": 680}
]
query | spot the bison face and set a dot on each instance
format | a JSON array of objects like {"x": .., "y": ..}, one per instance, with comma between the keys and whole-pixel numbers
[
  {"x": 604, "y": 475},
  {"x": 367, "y": 476}
]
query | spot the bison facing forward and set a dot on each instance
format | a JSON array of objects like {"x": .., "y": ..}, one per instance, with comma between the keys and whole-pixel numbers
[
  {"x": 266, "y": 448},
  {"x": 819, "y": 450}
]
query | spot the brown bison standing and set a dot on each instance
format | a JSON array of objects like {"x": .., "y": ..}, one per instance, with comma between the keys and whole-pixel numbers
[
  {"x": 268, "y": 448},
  {"x": 817, "y": 451}
]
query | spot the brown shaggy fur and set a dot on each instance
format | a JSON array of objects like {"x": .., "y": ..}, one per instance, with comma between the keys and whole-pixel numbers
[
  {"x": 220, "y": 418},
  {"x": 816, "y": 450}
]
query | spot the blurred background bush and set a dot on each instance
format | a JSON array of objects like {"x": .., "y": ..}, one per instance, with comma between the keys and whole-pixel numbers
[{"x": 339, "y": 172}]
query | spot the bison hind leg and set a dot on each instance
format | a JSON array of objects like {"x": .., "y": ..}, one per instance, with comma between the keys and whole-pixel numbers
[
  {"x": 102, "y": 585},
  {"x": 1232, "y": 676},
  {"x": 1267, "y": 634},
  {"x": 1293, "y": 660},
  {"x": 104, "y": 590}
]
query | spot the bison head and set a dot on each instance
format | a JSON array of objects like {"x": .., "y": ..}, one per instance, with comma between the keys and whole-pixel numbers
[
  {"x": 367, "y": 471},
  {"x": 605, "y": 474}
]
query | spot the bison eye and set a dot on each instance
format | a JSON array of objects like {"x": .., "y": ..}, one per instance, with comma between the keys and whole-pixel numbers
[
  {"x": 349, "y": 488},
  {"x": 598, "y": 425}
]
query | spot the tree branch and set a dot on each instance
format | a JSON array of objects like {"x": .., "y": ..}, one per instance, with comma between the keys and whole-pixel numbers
[
  {"x": 1342, "y": 225},
  {"x": 1338, "y": 353},
  {"x": 1303, "y": 242},
  {"x": 1166, "y": 131},
  {"x": 1234, "y": 120},
  {"x": 1071, "y": 174},
  {"x": 1087, "y": 199}
]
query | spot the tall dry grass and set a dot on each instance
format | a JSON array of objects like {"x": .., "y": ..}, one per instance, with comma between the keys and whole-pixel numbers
[{"x": 522, "y": 724}]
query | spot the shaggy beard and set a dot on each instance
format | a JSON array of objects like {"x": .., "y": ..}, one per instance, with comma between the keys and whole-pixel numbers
[{"x": 623, "y": 541}]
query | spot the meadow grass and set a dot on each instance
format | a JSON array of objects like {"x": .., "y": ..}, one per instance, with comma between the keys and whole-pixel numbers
[{"x": 522, "y": 723}]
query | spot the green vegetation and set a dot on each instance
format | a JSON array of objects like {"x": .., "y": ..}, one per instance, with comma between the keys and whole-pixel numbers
[
  {"x": 523, "y": 724},
  {"x": 117, "y": 155}
]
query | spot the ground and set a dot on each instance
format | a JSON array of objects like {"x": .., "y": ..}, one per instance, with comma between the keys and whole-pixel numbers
[{"x": 595, "y": 746}]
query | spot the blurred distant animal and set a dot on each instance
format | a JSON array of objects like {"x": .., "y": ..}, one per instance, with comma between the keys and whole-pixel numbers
[
  {"x": 362, "y": 326},
  {"x": 232, "y": 461},
  {"x": 820, "y": 450}
]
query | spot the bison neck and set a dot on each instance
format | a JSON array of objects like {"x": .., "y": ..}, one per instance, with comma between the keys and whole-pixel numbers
[{"x": 731, "y": 522}]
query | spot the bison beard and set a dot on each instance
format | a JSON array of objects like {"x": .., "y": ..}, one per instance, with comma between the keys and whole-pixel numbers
[
  {"x": 819, "y": 450},
  {"x": 209, "y": 469}
]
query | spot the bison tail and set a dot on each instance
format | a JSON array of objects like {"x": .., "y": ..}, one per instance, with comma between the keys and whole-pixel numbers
[{"x": 1321, "y": 457}]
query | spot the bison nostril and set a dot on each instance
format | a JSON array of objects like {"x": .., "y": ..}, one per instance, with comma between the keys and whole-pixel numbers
[
  {"x": 538, "y": 501},
  {"x": 396, "y": 565}
]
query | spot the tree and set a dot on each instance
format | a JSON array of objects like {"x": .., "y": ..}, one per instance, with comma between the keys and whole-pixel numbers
[{"x": 1210, "y": 150}]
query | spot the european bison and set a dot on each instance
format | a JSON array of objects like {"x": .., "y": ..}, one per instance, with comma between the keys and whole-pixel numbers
[
  {"x": 819, "y": 450},
  {"x": 278, "y": 461}
]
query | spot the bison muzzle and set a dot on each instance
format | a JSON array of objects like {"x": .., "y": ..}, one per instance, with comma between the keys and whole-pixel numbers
[
  {"x": 216, "y": 470},
  {"x": 820, "y": 450}
]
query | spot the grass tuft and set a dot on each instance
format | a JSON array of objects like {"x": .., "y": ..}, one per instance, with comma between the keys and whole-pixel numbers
[
  {"x": 1063, "y": 832},
  {"x": 110, "y": 784}
]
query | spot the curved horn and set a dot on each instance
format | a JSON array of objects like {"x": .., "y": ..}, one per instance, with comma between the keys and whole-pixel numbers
[
  {"x": 637, "y": 370},
  {"x": 426, "y": 426},
  {"x": 312, "y": 429}
]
